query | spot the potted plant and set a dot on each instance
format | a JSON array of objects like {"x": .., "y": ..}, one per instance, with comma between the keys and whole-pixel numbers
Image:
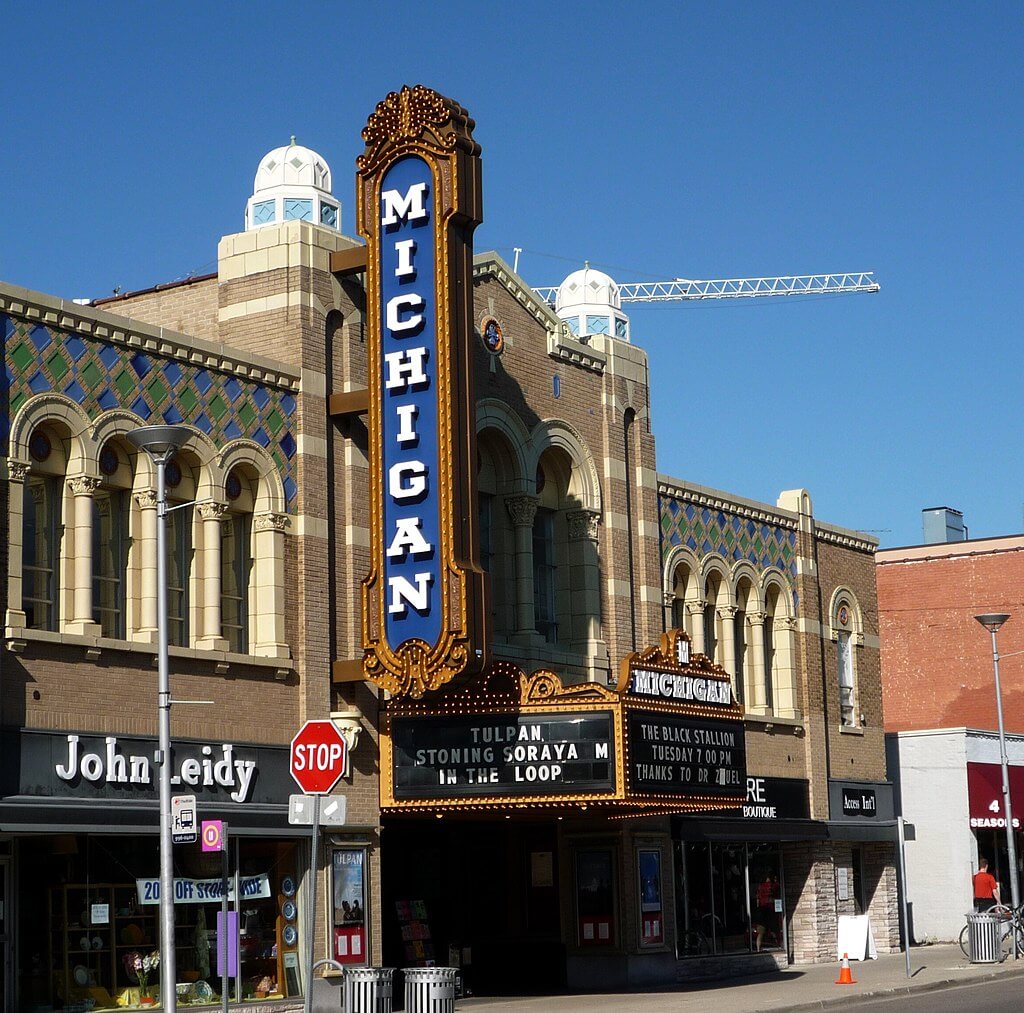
[{"x": 139, "y": 966}]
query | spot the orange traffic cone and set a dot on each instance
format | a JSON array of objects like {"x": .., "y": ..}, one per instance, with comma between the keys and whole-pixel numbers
[{"x": 845, "y": 975}]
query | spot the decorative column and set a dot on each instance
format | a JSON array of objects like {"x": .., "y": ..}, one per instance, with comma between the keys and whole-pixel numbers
[
  {"x": 144, "y": 627},
  {"x": 522, "y": 510},
  {"x": 786, "y": 703},
  {"x": 695, "y": 617},
  {"x": 727, "y": 613},
  {"x": 266, "y": 626},
  {"x": 211, "y": 638},
  {"x": 82, "y": 490},
  {"x": 17, "y": 471},
  {"x": 584, "y": 578},
  {"x": 757, "y": 693}
]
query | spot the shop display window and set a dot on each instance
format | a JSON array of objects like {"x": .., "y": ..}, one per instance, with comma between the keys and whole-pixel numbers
[
  {"x": 595, "y": 898},
  {"x": 729, "y": 898},
  {"x": 652, "y": 914},
  {"x": 348, "y": 893},
  {"x": 89, "y": 922}
]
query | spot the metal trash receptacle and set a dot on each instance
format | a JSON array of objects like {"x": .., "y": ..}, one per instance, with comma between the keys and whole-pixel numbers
[
  {"x": 430, "y": 989},
  {"x": 983, "y": 938},
  {"x": 369, "y": 989}
]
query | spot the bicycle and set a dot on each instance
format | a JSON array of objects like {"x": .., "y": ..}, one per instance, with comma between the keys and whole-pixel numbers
[{"x": 1011, "y": 923}]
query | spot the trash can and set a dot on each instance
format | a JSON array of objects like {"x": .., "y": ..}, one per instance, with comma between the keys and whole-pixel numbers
[
  {"x": 368, "y": 989},
  {"x": 983, "y": 938},
  {"x": 430, "y": 989}
]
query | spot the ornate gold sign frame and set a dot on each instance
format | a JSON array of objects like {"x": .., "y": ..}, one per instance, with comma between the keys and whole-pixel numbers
[{"x": 418, "y": 121}]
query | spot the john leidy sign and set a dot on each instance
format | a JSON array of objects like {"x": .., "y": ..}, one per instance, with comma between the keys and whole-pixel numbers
[{"x": 79, "y": 765}]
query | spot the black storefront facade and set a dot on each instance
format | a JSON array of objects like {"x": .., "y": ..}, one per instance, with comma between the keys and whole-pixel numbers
[
  {"x": 79, "y": 850},
  {"x": 740, "y": 878}
]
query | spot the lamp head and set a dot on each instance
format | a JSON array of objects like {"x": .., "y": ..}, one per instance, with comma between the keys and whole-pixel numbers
[
  {"x": 992, "y": 620},
  {"x": 160, "y": 442}
]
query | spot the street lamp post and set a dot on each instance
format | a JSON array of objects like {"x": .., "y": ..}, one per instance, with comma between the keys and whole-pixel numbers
[
  {"x": 992, "y": 621},
  {"x": 161, "y": 443}
]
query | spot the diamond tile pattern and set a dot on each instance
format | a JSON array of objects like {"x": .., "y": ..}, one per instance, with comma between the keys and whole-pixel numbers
[
  {"x": 101, "y": 376},
  {"x": 729, "y": 535}
]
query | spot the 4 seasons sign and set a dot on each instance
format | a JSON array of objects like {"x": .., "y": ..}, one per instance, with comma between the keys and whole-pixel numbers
[{"x": 418, "y": 191}]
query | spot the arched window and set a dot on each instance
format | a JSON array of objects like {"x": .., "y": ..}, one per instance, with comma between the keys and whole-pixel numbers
[
  {"x": 780, "y": 687},
  {"x": 110, "y": 540},
  {"x": 846, "y": 632},
  {"x": 42, "y": 529},
  {"x": 684, "y": 598},
  {"x": 545, "y": 574},
  {"x": 553, "y": 607},
  {"x": 181, "y": 478},
  {"x": 496, "y": 481},
  {"x": 712, "y": 638},
  {"x": 236, "y": 558},
  {"x": 746, "y": 668}
]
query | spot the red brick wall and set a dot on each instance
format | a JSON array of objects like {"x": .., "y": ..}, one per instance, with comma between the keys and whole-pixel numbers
[{"x": 936, "y": 660}]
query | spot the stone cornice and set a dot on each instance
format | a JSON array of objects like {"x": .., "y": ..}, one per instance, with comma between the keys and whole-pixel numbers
[
  {"x": 561, "y": 342},
  {"x": 715, "y": 500},
  {"x": 764, "y": 513},
  {"x": 36, "y": 307},
  {"x": 845, "y": 538},
  {"x": 490, "y": 265}
]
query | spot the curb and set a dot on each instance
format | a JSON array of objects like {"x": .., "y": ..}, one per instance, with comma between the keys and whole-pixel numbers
[{"x": 877, "y": 994}]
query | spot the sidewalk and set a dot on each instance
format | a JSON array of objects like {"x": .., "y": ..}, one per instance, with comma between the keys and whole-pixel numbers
[{"x": 799, "y": 987}]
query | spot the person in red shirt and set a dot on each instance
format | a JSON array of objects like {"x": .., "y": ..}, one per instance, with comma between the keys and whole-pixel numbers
[{"x": 986, "y": 889}]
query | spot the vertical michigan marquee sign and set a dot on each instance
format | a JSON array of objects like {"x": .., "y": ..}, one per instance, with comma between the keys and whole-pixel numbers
[{"x": 418, "y": 202}]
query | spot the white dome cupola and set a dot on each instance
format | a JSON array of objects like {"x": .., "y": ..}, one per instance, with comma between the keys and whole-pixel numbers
[
  {"x": 588, "y": 301},
  {"x": 292, "y": 183}
]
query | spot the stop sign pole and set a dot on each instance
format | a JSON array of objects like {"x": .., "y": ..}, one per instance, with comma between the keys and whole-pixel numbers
[{"x": 318, "y": 758}]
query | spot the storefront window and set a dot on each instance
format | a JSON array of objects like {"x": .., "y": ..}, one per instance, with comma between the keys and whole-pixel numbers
[
  {"x": 729, "y": 898},
  {"x": 767, "y": 916},
  {"x": 595, "y": 898},
  {"x": 90, "y": 903},
  {"x": 348, "y": 890},
  {"x": 652, "y": 925}
]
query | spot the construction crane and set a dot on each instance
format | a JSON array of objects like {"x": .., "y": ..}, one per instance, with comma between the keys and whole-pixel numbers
[{"x": 680, "y": 289}]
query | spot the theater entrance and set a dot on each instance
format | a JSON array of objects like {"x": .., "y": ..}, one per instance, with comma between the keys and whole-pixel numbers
[{"x": 482, "y": 895}]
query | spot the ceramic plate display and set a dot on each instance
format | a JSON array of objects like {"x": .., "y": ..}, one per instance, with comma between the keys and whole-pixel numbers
[
  {"x": 131, "y": 934},
  {"x": 289, "y": 935},
  {"x": 97, "y": 943},
  {"x": 83, "y": 943},
  {"x": 288, "y": 886},
  {"x": 289, "y": 910},
  {"x": 203, "y": 991},
  {"x": 81, "y": 974}
]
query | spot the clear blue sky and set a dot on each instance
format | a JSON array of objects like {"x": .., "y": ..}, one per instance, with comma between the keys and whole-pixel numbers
[{"x": 657, "y": 140}]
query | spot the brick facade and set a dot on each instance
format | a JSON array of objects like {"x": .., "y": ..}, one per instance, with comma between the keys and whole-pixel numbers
[
  {"x": 577, "y": 410},
  {"x": 936, "y": 659}
]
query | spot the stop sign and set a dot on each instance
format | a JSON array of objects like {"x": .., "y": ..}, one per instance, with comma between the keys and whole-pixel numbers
[{"x": 318, "y": 757}]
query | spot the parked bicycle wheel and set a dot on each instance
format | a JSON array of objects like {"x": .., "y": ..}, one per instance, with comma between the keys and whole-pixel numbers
[{"x": 963, "y": 941}]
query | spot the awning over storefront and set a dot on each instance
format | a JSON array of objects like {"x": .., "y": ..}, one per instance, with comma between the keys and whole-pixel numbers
[
  {"x": 28, "y": 814},
  {"x": 703, "y": 829}
]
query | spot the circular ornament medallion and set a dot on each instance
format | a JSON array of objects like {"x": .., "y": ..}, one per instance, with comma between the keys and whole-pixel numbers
[{"x": 492, "y": 337}]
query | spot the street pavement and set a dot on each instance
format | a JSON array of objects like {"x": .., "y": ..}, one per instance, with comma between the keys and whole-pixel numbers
[
  {"x": 992, "y": 996},
  {"x": 937, "y": 974}
]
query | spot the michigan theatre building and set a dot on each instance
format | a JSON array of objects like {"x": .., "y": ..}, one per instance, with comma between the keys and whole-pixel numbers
[{"x": 607, "y": 726}]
